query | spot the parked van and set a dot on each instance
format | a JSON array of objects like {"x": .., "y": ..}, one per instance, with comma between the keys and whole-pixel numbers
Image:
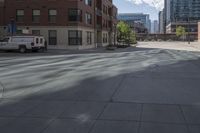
[{"x": 23, "y": 43}]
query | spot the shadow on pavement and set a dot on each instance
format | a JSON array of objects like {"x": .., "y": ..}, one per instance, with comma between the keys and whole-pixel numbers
[{"x": 95, "y": 95}]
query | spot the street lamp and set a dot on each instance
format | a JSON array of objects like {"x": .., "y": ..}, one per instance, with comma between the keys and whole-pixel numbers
[
  {"x": 176, "y": 26},
  {"x": 115, "y": 28},
  {"x": 188, "y": 30}
]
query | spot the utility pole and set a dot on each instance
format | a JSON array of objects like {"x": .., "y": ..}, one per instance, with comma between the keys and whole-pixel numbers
[{"x": 176, "y": 26}]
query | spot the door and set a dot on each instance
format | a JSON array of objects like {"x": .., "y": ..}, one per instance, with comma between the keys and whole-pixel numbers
[
  {"x": 99, "y": 38},
  {"x": 52, "y": 37},
  {"x": 42, "y": 41},
  {"x": 36, "y": 41}
]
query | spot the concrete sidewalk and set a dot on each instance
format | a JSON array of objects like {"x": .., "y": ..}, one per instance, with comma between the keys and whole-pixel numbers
[{"x": 183, "y": 46}]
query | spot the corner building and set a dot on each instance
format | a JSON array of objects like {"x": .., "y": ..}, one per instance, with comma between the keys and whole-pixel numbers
[{"x": 65, "y": 24}]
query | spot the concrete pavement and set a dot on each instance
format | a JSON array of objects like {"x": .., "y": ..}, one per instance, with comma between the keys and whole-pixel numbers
[
  {"x": 142, "y": 90},
  {"x": 193, "y": 46}
]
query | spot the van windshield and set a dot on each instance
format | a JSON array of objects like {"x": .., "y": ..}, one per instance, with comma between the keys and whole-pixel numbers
[{"x": 4, "y": 40}]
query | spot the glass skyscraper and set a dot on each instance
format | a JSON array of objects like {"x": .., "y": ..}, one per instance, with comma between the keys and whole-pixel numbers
[
  {"x": 184, "y": 13},
  {"x": 143, "y": 18},
  {"x": 182, "y": 10}
]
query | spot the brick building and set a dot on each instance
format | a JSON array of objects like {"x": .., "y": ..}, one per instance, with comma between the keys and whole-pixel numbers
[
  {"x": 71, "y": 24},
  {"x": 1, "y": 16}
]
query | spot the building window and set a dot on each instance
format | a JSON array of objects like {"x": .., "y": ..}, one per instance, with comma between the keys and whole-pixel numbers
[
  {"x": 105, "y": 38},
  {"x": 52, "y": 37},
  {"x": 88, "y": 2},
  {"x": 105, "y": 9},
  {"x": 4, "y": 40},
  {"x": 88, "y": 18},
  {"x": 89, "y": 37},
  {"x": 19, "y": 31},
  {"x": 36, "y": 16},
  {"x": 41, "y": 40},
  {"x": 20, "y": 16},
  {"x": 36, "y": 32},
  {"x": 75, "y": 15},
  {"x": 37, "y": 40},
  {"x": 105, "y": 23},
  {"x": 52, "y": 16},
  {"x": 75, "y": 37}
]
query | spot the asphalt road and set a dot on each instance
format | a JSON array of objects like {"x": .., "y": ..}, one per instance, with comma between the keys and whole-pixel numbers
[{"x": 149, "y": 89}]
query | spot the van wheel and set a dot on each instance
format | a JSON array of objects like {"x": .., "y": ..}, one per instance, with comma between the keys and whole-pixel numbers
[
  {"x": 42, "y": 49},
  {"x": 35, "y": 50},
  {"x": 22, "y": 49}
]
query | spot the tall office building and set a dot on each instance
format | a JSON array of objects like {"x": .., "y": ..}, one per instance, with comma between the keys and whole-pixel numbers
[
  {"x": 154, "y": 27},
  {"x": 167, "y": 11},
  {"x": 139, "y": 17},
  {"x": 150, "y": 25},
  {"x": 184, "y": 13},
  {"x": 181, "y": 10},
  {"x": 161, "y": 22}
]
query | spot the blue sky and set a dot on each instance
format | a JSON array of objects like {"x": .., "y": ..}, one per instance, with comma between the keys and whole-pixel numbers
[{"x": 151, "y": 7}]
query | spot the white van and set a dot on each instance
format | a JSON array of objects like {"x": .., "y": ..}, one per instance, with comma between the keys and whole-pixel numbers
[{"x": 23, "y": 43}]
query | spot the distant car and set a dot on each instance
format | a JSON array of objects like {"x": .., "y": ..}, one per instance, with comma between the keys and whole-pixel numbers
[{"x": 23, "y": 43}]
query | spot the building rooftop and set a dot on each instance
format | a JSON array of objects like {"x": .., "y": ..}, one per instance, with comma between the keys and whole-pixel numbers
[{"x": 132, "y": 14}]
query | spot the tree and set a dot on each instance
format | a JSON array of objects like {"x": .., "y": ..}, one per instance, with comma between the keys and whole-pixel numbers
[
  {"x": 132, "y": 38},
  {"x": 125, "y": 33},
  {"x": 180, "y": 31}
]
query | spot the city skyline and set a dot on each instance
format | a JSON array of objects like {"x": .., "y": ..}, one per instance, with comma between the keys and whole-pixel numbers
[{"x": 151, "y": 7}]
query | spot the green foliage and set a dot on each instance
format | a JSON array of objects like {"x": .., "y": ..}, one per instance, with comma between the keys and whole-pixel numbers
[
  {"x": 180, "y": 31},
  {"x": 133, "y": 38},
  {"x": 125, "y": 34},
  {"x": 123, "y": 30}
]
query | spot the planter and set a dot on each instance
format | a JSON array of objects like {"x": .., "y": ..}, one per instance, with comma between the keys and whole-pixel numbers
[
  {"x": 110, "y": 47},
  {"x": 122, "y": 46}
]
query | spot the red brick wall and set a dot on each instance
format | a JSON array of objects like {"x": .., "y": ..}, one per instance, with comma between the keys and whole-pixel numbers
[
  {"x": 115, "y": 12},
  {"x": 1, "y": 13},
  {"x": 62, "y": 7},
  {"x": 44, "y": 5}
]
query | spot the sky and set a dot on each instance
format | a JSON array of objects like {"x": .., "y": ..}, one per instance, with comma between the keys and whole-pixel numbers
[{"x": 151, "y": 7}]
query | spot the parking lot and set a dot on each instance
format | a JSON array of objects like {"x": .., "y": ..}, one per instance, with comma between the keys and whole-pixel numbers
[{"x": 153, "y": 88}]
